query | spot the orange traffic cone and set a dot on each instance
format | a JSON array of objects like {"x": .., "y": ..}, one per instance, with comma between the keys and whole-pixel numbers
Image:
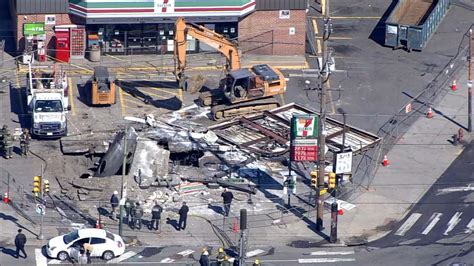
[
  {"x": 97, "y": 224},
  {"x": 429, "y": 114},
  {"x": 385, "y": 161},
  {"x": 454, "y": 87},
  {"x": 5, "y": 198},
  {"x": 235, "y": 227}
]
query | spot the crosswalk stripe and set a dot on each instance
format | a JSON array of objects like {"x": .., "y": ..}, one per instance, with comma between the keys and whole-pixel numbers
[
  {"x": 124, "y": 256},
  {"x": 470, "y": 226},
  {"x": 186, "y": 252},
  {"x": 408, "y": 224},
  {"x": 453, "y": 222},
  {"x": 434, "y": 219},
  {"x": 325, "y": 260},
  {"x": 40, "y": 258},
  {"x": 167, "y": 260},
  {"x": 329, "y": 253},
  {"x": 254, "y": 253}
]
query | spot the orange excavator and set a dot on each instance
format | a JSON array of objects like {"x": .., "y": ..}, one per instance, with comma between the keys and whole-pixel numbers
[{"x": 243, "y": 90}]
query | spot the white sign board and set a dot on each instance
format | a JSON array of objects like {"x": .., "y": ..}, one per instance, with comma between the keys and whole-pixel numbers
[
  {"x": 50, "y": 19},
  {"x": 284, "y": 14},
  {"x": 343, "y": 162},
  {"x": 40, "y": 209}
]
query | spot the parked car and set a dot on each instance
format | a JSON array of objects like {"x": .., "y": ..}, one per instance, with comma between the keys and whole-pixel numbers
[{"x": 104, "y": 244}]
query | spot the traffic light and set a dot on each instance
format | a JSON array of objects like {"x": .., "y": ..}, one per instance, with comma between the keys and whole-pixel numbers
[
  {"x": 36, "y": 185},
  {"x": 332, "y": 180},
  {"x": 314, "y": 179},
  {"x": 46, "y": 186}
]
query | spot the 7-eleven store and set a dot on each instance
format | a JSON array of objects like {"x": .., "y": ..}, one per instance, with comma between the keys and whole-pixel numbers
[{"x": 146, "y": 26}]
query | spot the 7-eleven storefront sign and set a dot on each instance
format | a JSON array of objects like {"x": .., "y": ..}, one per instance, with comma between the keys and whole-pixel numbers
[{"x": 164, "y": 6}]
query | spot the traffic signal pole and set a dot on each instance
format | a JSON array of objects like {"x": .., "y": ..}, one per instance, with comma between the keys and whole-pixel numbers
[
  {"x": 469, "y": 83},
  {"x": 40, "y": 235}
]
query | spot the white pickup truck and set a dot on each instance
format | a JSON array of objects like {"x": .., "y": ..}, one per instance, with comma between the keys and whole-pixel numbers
[{"x": 48, "y": 102}]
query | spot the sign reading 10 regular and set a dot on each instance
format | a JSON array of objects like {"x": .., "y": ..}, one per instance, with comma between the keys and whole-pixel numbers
[{"x": 304, "y": 134}]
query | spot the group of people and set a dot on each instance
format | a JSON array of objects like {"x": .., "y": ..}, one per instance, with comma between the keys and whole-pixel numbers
[
  {"x": 222, "y": 259},
  {"x": 134, "y": 213},
  {"x": 7, "y": 140}
]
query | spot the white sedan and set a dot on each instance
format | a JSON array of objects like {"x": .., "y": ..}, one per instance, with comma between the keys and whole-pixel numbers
[{"x": 104, "y": 244}]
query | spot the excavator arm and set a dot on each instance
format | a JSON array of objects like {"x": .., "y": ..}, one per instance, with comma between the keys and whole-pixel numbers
[{"x": 209, "y": 37}]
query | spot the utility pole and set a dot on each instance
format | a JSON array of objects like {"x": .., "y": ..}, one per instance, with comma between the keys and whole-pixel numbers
[
  {"x": 124, "y": 168},
  {"x": 324, "y": 84},
  {"x": 469, "y": 83},
  {"x": 40, "y": 235}
]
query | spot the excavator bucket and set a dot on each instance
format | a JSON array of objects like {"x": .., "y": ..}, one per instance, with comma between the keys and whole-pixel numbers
[{"x": 194, "y": 84}]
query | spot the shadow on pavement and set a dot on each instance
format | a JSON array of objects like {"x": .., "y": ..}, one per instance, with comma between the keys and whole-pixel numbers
[
  {"x": 378, "y": 34},
  {"x": 172, "y": 222},
  {"x": 8, "y": 251},
  {"x": 132, "y": 88}
]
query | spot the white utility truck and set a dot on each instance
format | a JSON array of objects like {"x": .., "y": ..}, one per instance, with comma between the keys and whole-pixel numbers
[{"x": 48, "y": 101}]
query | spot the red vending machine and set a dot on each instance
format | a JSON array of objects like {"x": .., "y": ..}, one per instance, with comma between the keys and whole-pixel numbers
[{"x": 63, "y": 51}]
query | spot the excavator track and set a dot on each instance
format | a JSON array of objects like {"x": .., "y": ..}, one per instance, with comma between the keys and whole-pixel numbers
[{"x": 224, "y": 112}]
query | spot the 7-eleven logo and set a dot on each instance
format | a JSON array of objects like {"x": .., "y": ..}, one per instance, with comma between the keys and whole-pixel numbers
[
  {"x": 164, "y": 6},
  {"x": 305, "y": 127}
]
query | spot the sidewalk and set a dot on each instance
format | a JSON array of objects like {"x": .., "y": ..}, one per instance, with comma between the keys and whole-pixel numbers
[{"x": 417, "y": 161}]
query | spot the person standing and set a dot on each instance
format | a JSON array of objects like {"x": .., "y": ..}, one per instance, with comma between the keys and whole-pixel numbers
[
  {"x": 137, "y": 215},
  {"x": 227, "y": 197},
  {"x": 204, "y": 259},
  {"x": 183, "y": 216},
  {"x": 25, "y": 142},
  {"x": 88, "y": 248},
  {"x": 2, "y": 139},
  {"x": 220, "y": 256},
  {"x": 156, "y": 216},
  {"x": 114, "y": 202},
  {"x": 20, "y": 241},
  {"x": 128, "y": 210},
  {"x": 8, "y": 140}
]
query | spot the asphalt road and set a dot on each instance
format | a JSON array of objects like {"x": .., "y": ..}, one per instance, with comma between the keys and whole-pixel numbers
[{"x": 372, "y": 82}]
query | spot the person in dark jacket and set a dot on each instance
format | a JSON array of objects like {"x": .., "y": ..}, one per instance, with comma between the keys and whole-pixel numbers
[
  {"x": 204, "y": 259},
  {"x": 137, "y": 216},
  {"x": 227, "y": 197},
  {"x": 114, "y": 202},
  {"x": 20, "y": 241},
  {"x": 128, "y": 211},
  {"x": 156, "y": 216},
  {"x": 183, "y": 216}
]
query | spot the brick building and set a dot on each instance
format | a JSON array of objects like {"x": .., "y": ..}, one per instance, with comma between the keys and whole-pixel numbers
[
  {"x": 276, "y": 27},
  {"x": 47, "y": 13},
  {"x": 270, "y": 27}
]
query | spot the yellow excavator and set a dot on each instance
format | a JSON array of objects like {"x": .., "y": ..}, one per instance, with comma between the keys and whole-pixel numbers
[{"x": 243, "y": 90}]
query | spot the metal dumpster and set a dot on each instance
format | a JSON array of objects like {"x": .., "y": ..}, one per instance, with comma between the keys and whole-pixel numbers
[{"x": 412, "y": 22}]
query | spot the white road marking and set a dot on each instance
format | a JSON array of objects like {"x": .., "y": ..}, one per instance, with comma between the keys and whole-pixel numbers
[
  {"x": 186, "y": 252},
  {"x": 408, "y": 224},
  {"x": 125, "y": 256},
  {"x": 254, "y": 253},
  {"x": 329, "y": 253},
  {"x": 54, "y": 262},
  {"x": 40, "y": 258},
  {"x": 167, "y": 260},
  {"x": 470, "y": 226},
  {"x": 434, "y": 220},
  {"x": 453, "y": 222},
  {"x": 456, "y": 189},
  {"x": 325, "y": 260}
]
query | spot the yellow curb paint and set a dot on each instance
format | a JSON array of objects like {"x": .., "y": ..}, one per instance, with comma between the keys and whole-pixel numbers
[
  {"x": 122, "y": 104},
  {"x": 315, "y": 26},
  {"x": 71, "y": 96}
]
